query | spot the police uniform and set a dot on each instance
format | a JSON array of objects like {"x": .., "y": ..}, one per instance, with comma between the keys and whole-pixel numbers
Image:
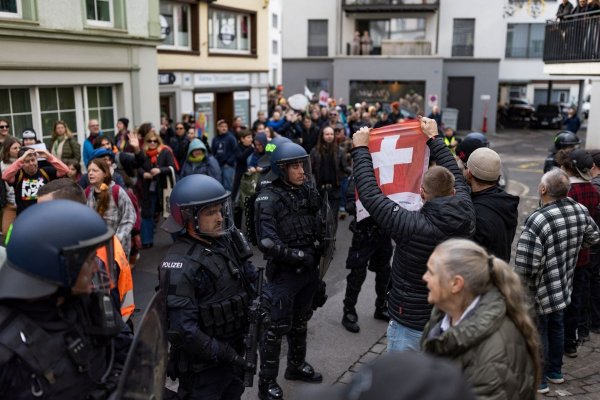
[
  {"x": 55, "y": 344},
  {"x": 371, "y": 249},
  {"x": 207, "y": 306},
  {"x": 286, "y": 216}
]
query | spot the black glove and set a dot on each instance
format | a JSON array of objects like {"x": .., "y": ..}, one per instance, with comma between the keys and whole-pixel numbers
[
  {"x": 320, "y": 296},
  {"x": 243, "y": 364}
]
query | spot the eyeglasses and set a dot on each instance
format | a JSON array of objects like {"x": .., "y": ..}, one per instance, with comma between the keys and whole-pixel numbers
[
  {"x": 4, "y": 126},
  {"x": 151, "y": 141}
]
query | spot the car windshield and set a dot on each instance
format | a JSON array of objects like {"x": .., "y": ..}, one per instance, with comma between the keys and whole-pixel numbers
[{"x": 518, "y": 101}]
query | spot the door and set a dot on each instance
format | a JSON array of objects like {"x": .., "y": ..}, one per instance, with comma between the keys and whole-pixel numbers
[
  {"x": 460, "y": 96},
  {"x": 224, "y": 108},
  {"x": 165, "y": 107}
]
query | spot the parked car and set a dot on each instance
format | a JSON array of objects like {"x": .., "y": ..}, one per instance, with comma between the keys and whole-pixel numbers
[
  {"x": 516, "y": 112},
  {"x": 547, "y": 116}
]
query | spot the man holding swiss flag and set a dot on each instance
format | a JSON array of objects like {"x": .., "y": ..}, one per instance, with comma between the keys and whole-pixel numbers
[{"x": 394, "y": 160}]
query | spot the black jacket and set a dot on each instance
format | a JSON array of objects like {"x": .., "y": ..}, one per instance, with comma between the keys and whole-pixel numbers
[
  {"x": 497, "y": 214},
  {"x": 416, "y": 233}
]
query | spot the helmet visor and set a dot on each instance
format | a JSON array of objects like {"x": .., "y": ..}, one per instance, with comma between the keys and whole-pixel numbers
[
  {"x": 83, "y": 272},
  {"x": 296, "y": 171},
  {"x": 214, "y": 219}
]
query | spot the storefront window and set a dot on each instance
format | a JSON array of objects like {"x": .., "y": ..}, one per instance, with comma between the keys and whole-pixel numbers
[
  {"x": 16, "y": 107},
  {"x": 100, "y": 106},
  {"x": 229, "y": 32},
  {"x": 57, "y": 104},
  {"x": 175, "y": 22}
]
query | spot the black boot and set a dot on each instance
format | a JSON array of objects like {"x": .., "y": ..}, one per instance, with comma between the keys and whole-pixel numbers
[
  {"x": 350, "y": 320},
  {"x": 302, "y": 372},
  {"x": 382, "y": 314},
  {"x": 268, "y": 389}
]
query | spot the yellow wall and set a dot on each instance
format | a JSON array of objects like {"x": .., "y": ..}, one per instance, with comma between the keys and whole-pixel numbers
[{"x": 205, "y": 62}]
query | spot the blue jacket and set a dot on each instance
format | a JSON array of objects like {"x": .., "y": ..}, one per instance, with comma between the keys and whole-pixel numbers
[
  {"x": 88, "y": 149},
  {"x": 209, "y": 166},
  {"x": 224, "y": 148}
]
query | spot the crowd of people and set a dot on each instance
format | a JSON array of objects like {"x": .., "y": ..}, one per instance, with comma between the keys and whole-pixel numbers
[{"x": 447, "y": 287}]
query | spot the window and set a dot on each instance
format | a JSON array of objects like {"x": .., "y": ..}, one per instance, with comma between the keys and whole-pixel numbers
[
  {"x": 274, "y": 20},
  {"x": 57, "y": 104},
  {"x": 99, "y": 12},
  {"x": 525, "y": 40},
  {"x": 17, "y": 109},
  {"x": 405, "y": 29},
  {"x": 274, "y": 47},
  {"x": 175, "y": 23},
  {"x": 229, "y": 32},
  {"x": 99, "y": 104},
  {"x": 316, "y": 85},
  {"x": 10, "y": 9},
  {"x": 317, "y": 37},
  {"x": 463, "y": 38}
]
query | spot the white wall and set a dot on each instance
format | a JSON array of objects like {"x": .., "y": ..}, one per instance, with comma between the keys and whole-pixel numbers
[
  {"x": 295, "y": 24},
  {"x": 593, "y": 130},
  {"x": 275, "y": 33}
]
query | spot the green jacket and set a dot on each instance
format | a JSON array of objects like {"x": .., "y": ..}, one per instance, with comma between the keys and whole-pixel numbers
[{"x": 489, "y": 348}]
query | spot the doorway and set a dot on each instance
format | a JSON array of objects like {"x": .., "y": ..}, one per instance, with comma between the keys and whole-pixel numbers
[
  {"x": 165, "y": 106},
  {"x": 460, "y": 96},
  {"x": 224, "y": 109}
]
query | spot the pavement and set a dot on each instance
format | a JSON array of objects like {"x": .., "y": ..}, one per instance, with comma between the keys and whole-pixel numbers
[{"x": 338, "y": 354}]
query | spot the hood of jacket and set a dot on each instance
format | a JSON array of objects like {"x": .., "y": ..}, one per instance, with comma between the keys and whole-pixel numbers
[
  {"x": 195, "y": 145},
  {"x": 496, "y": 200},
  {"x": 262, "y": 138},
  {"x": 448, "y": 213}
]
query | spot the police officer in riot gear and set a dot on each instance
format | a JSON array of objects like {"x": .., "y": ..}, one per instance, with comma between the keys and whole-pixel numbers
[
  {"x": 287, "y": 229},
  {"x": 207, "y": 278},
  {"x": 58, "y": 326},
  {"x": 371, "y": 249},
  {"x": 562, "y": 140}
]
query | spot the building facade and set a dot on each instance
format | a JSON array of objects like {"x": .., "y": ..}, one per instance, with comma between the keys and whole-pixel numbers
[
  {"x": 78, "y": 60},
  {"x": 451, "y": 53},
  {"x": 214, "y": 60}
]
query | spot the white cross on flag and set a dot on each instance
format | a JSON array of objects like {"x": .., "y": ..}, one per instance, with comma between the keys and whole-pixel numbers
[{"x": 400, "y": 157}]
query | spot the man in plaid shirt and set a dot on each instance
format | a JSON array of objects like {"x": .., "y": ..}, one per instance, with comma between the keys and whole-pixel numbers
[{"x": 546, "y": 257}]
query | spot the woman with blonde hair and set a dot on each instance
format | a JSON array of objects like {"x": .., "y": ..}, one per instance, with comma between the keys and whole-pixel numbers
[
  {"x": 64, "y": 145},
  {"x": 480, "y": 320},
  {"x": 110, "y": 201}
]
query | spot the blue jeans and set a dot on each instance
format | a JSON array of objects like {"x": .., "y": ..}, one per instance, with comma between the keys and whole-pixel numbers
[
  {"x": 552, "y": 333},
  {"x": 227, "y": 173},
  {"x": 402, "y": 338}
]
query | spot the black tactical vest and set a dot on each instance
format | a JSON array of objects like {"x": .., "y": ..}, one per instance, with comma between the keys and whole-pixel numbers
[
  {"x": 297, "y": 224},
  {"x": 222, "y": 298}
]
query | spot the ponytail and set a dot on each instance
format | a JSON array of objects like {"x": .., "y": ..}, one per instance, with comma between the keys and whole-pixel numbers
[
  {"x": 103, "y": 200},
  {"x": 509, "y": 284}
]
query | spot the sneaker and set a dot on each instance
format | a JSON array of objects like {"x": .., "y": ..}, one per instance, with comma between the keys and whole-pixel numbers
[
  {"x": 555, "y": 377},
  {"x": 543, "y": 389},
  {"x": 571, "y": 351}
]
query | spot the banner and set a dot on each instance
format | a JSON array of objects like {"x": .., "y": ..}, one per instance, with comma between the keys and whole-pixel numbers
[{"x": 400, "y": 157}]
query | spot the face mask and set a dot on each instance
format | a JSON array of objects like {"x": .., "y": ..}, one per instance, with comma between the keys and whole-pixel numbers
[{"x": 191, "y": 158}]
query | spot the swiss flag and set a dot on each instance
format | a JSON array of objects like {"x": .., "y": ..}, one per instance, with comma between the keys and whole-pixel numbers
[{"x": 400, "y": 157}]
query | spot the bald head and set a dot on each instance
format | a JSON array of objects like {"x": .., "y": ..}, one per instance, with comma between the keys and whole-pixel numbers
[{"x": 555, "y": 184}]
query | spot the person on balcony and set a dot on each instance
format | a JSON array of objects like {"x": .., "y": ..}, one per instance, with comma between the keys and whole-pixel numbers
[
  {"x": 565, "y": 8},
  {"x": 366, "y": 44}
]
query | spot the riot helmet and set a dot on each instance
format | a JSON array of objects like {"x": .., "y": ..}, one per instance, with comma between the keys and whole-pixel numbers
[
  {"x": 202, "y": 200},
  {"x": 469, "y": 144},
  {"x": 289, "y": 157},
  {"x": 564, "y": 140},
  {"x": 48, "y": 246},
  {"x": 265, "y": 161}
]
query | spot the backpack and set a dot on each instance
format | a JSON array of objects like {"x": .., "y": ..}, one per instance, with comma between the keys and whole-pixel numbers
[{"x": 115, "y": 195}]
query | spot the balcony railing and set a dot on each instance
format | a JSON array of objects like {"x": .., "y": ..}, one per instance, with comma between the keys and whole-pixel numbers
[
  {"x": 576, "y": 38},
  {"x": 366, "y": 6}
]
